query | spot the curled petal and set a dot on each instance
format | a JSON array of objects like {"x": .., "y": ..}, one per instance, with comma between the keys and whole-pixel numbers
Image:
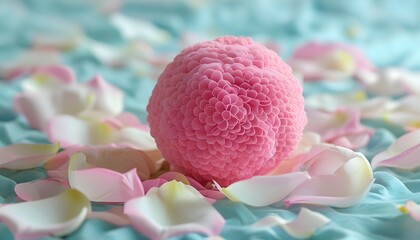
[
  {"x": 181, "y": 210},
  {"x": 403, "y": 153},
  {"x": 339, "y": 178},
  {"x": 411, "y": 208},
  {"x": 103, "y": 185},
  {"x": 26, "y": 156},
  {"x": 342, "y": 127},
  {"x": 41, "y": 106},
  {"x": 48, "y": 77},
  {"x": 40, "y": 189},
  {"x": 304, "y": 225},
  {"x": 254, "y": 191},
  {"x": 58, "y": 216}
]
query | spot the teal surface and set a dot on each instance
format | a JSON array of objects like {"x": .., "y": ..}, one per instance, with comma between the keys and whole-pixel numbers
[{"x": 389, "y": 35}]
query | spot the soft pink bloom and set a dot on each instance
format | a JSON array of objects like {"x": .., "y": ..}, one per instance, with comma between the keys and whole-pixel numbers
[{"x": 226, "y": 110}]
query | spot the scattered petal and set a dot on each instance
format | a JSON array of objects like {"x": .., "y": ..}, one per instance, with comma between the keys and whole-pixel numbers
[
  {"x": 40, "y": 189},
  {"x": 57, "y": 216},
  {"x": 402, "y": 154},
  {"x": 411, "y": 208},
  {"x": 254, "y": 191},
  {"x": 26, "y": 156},
  {"x": 109, "y": 99},
  {"x": 341, "y": 127},
  {"x": 304, "y": 225},
  {"x": 101, "y": 184},
  {"x": 48, "y": 77},
  {"x": 339, "y": 178},
  {"x": 173, "y": 209}
]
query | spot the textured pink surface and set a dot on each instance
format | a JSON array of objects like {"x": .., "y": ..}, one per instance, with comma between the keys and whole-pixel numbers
[{"x": 226, "y": 110}]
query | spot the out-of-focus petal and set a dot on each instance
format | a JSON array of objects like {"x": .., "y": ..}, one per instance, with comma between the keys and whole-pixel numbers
[
  {"x": 173, "y": 209},
  {"x": 41, "y": 106},
  {"x": 40, "y": 189},
  {"x": 341, "y": 127},
  {"x": 101, "y": 184},
  {"x": 254, "y": 191},
  {"x": 411, "y": 208},
  {"x": 136, "y": 138},
  {"x": 304, "y": 225},
  {"x": 403, "y": 153},
  {"x": 339, "y": 178},
  {"x": 48, "y": 77},
  {"x": 26, "y": 156},
  {"x": 108, "y": 99},
  {"x": 318, "y": 61},
  {"x": 57, "y": 216}
]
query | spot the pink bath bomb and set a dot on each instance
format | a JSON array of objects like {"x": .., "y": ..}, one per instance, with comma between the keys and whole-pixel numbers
[{"x": 226, "y": 110}]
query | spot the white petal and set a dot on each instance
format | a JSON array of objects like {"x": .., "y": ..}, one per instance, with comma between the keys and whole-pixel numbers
[
  {"x": 108, "y": 98},
  {"x": 101, "y": 184},
  {"x": 304, "y": 225},
  {"x": 173, "y": 209},
  {"x": 58, "y": 216},
  {"x": 340, "y": 178},
  {"x": 254, "y": 191},
  {"x": 26, "y": 156},
  {"x": 137, "y": 138}
]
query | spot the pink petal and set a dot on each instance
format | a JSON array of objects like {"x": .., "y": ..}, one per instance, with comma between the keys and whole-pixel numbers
[
  {"x": 254, "y": 191},
  {"x": 402, "y": 154},
  {"x": 340, "y": 178},
  {"x": 109, "y": 99},
  {"x": 57, "y": 216},
  {"x": 411, "y": 208},
  {"x": 61, "y": 73},
  {"x": 26, "y": 156},
  {"x": 341, "y": 127},
  {"x": 40, "y": 189},
  {"x": 103, "y": 185},
  {"x": 173, "y": 209}
]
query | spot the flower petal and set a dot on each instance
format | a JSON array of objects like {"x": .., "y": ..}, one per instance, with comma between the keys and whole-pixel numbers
[
  {"x": 26, "y": 156},
  {"x": 173, "y": 209},
  {"x": 101, "y": 184},
  {"x": 41, "y": 106},
  {"x": 254, "y": 191},
  {"x": 136, "y": 138},
  {"x": 58, "y": 216},
  {"x": 40, "y": 189},
  {"x": 304, "y": 225},
  {"x": 411, "y": 208},
  {"x": 340, "y": 178},
  {"x": 48, "y": 77},
  {"x": 403, "y": 153},
  {"x": 109, "y": 99},
  {"x": 114, "y": 157},
  {"x": 341, "y": 127}
]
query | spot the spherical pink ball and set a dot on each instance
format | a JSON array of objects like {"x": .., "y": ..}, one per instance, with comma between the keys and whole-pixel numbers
[{"x": 226, "y": 110}]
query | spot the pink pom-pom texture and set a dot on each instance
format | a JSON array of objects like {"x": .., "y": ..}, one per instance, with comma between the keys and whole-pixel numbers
[{"x": 226, "y": 110}]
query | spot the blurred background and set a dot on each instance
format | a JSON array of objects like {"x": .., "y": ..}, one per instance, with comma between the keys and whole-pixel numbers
[{"x": 129, "y": 42}]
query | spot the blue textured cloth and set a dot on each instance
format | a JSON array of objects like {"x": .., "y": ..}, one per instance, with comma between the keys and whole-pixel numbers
[{"x": 388, "y": 32}]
